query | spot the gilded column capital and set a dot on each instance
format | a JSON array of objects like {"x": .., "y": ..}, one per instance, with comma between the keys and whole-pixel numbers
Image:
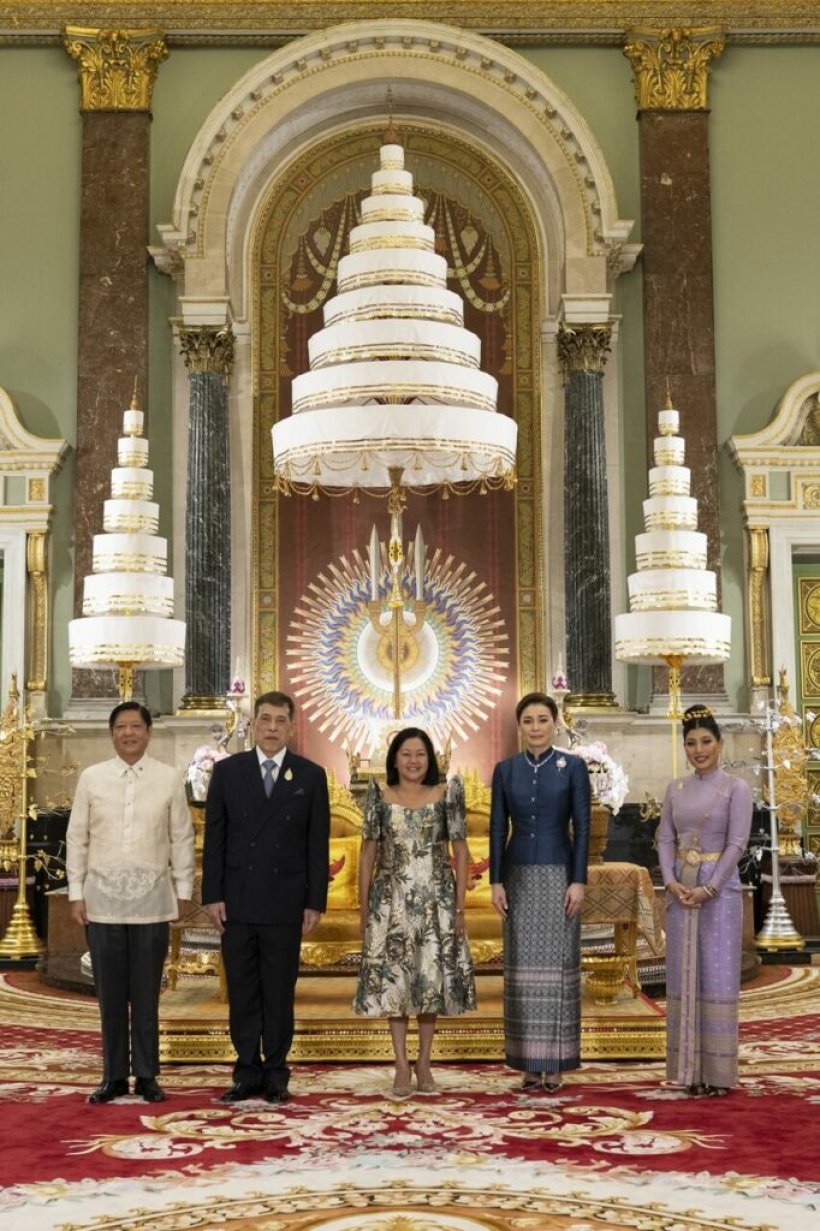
[
  {"x": 671, "y": 66},
  {"x": 117, "y": 68},
  {"x": 584, "y": 348},
  {"x": 207, "y": 348}
]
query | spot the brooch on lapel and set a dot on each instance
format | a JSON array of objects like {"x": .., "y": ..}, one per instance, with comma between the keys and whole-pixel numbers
[
  {"x": 288, "y": 775},
  {"x": 561, "y": 763}
]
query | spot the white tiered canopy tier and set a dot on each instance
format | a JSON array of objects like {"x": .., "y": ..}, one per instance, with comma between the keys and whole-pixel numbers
[
  {"x": 673, "y": 595},
  {"x": 128, "y": 601},
  {"x": 394, "y": 380}
]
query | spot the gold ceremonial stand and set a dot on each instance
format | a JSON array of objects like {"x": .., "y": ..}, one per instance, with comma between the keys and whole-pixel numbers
[
  {"x": 675, "y": 664},
  {"x": 21, "y": 940},
  {"x": 784, "y": 752}
]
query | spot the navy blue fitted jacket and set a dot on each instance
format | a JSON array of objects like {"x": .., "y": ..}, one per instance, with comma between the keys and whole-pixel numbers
[{"x": 540, "y": 816}]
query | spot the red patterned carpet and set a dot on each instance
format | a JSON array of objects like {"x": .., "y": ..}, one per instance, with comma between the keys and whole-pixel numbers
[{"x": 616, "y": 1149}]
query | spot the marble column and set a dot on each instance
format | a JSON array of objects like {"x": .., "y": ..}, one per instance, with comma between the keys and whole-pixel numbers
[
  {"x": 671, "y": 80},
  {"x": 208, "y": 352},
  {"x": 117, "y": 70},
  {"x": 582, "y": 351}
]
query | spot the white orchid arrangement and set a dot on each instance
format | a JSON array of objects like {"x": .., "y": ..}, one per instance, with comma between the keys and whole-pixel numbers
[
  {"x": 198, "y": 773},
  {"x": 609, "y": 782}
]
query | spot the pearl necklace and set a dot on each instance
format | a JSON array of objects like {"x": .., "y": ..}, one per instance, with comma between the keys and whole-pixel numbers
[{"x": 536, "y": 765}]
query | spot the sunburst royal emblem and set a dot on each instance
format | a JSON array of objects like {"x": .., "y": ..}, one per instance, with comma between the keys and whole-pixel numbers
[{"x": 452, "y": 668}]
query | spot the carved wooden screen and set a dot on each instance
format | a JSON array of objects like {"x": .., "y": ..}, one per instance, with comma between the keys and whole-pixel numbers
[{"x": 310, "y": 557}]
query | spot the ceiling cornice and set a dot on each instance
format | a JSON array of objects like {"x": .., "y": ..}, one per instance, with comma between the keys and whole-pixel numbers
[{"x": 271, "y": 23}]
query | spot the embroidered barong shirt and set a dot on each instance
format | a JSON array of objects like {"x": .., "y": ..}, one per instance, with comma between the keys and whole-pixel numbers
[{"x": 130, "y": 842}]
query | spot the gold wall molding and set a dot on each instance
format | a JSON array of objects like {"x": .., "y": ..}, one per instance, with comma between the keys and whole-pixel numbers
[
  {"x": 207, "y": 348},
  {"x": 784, "y": 510},
  {"x": 117, "y": 68},
  {"x": 809, "y": 607},
  {"x": 584, "y": 348},
  {"x": 671, "y": 66},
  {"x": 36, "y": 565},
  {"x": 757, "y": 590},
  {"x": 790, "y": 770},
  {"x": 26, "y": 526},
  {"x": 271, "y": 23}
]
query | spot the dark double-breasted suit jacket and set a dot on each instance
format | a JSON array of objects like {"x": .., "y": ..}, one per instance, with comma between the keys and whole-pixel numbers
[{"x": 266, "y": 858}]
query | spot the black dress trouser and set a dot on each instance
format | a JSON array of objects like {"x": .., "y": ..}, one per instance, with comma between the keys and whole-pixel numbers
[
  {"x": 127, "y": 959},
  {"x": 261, "y": 966}
]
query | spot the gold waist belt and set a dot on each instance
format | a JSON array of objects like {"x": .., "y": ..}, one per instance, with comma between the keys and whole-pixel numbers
[{"x": 698, "y": 856}]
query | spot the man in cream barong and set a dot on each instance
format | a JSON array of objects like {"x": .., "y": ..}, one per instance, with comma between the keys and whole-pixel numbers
[{"x": 130, "y": 867}]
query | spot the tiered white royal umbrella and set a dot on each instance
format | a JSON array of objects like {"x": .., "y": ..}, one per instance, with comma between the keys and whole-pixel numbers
[
  {"x": 395, "y": 393},
  {"x": 673, "y": 617},
  {"x": 128, "y": 600}
]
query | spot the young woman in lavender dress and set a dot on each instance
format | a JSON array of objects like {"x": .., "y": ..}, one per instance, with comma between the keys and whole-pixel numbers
[{"x": 703, "y": 832}]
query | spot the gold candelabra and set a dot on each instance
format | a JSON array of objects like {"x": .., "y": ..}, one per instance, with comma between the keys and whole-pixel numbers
[
  {"x": 398, "y": 644},
  {"x": 16, "y": 771},
  {"x": 784, "y": 753}
]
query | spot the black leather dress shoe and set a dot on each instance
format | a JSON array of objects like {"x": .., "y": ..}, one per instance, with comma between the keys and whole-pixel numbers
[
  {"x": 239, "y": 1092},
  {"x": 108, "y": 1090},
  {"x": 149, "y": 1089},
  {"x": 276, "y": 1096}
]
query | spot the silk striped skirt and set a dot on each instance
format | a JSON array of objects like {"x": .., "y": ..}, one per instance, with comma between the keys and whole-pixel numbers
[{"x": 542, "y": 972}]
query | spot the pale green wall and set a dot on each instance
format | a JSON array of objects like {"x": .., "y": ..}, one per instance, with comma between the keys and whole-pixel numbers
[
  {"x": 765, "y": 170},
  {"x": 766, "y": 188},
  {"x": 599, "y": 82},
  {"x": 766, "y": 233},
  {"x": 39, "y": 208},
  {"x": 188, "y": 87}
]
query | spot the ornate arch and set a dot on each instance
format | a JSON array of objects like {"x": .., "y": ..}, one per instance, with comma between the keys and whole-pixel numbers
[
  {"x": 331, "y": 78},
  {"x": 333, "y": 85}
]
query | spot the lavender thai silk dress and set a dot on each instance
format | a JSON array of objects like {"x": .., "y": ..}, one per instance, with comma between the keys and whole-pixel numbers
[{"x": 703, "y": 832}]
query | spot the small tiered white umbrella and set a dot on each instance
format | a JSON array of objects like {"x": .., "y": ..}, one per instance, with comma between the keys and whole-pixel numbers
[
  {"x": 673, "y": 617},
  {"x": 128, "y": 600}
]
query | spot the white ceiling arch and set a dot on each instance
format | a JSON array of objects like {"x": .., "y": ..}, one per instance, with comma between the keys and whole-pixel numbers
[{"x": 339, "y": 78}]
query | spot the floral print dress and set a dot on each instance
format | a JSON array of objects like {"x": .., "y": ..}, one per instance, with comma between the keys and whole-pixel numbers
[{"x": 412, "y": 960}]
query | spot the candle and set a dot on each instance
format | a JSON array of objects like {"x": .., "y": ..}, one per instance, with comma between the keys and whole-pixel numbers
[
  {"x": 419, "y": 561},
  {"x": 375, "y": 564}
]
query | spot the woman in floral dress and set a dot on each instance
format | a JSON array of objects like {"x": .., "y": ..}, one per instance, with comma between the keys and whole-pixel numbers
[{"x": 415, "y": 956}]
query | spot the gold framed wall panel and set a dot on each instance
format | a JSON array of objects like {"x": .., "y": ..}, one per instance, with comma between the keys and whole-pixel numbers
[
  {"x": 330, "y": 174},
  {"x": 809, "y": 605}
]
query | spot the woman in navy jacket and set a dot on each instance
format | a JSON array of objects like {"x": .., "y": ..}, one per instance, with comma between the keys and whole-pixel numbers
[{"x": 539, "y": 839}]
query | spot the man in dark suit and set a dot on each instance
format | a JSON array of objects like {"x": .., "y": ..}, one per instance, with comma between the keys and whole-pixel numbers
[{"x": 264, "y": 884}]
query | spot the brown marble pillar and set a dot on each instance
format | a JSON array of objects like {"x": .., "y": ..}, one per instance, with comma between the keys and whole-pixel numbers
[
  {"x": 671, "y": 78},
  {"x": 117, "y": 69}
]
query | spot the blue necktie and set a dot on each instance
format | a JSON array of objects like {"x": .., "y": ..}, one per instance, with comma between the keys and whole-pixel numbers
[{"x": 268, "y": 766}]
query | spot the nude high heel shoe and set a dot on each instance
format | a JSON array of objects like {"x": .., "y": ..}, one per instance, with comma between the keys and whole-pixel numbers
[
  {"x": 424, "y": 1081},
  {"x": 402, "y": 1082}
]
